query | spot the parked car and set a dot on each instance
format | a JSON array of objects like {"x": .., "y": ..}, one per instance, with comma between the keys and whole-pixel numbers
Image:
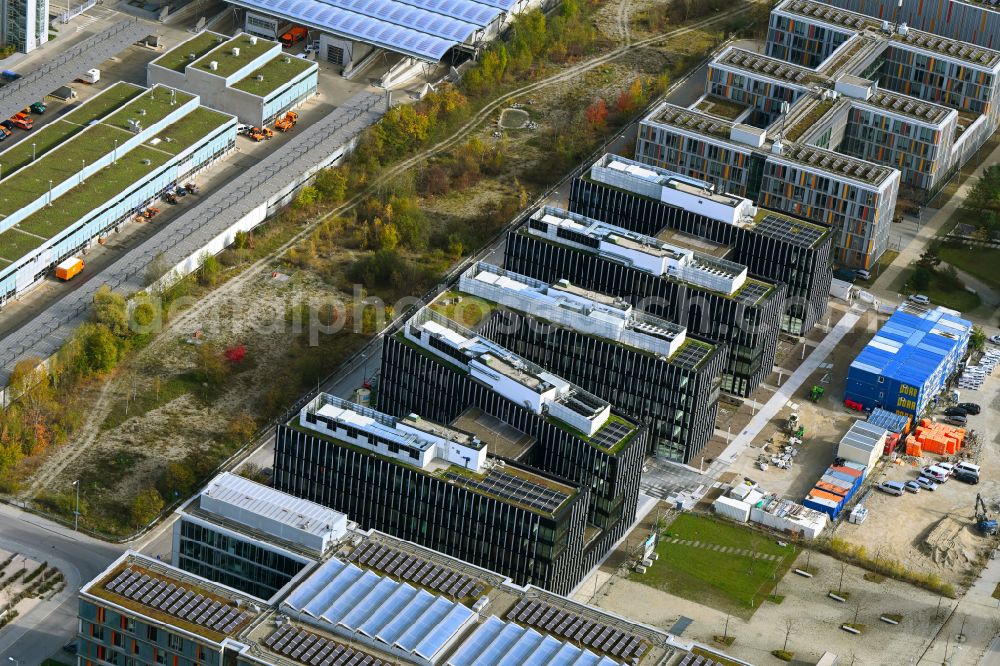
[
  {"x": 920, "y": 299},
  {"x": 946, "y": 466},
  {"x": 926, "y": 483},
  {"x": 863, "y": 274},
  {"x": 891, "y": 487},
  {"x": 912, "y": 486},
  {"x": 966, "y": 477},
  {"x": 959, "y": 421},
  {"x": 968, "y": 468},
  {"x": 955, "y": 411},
  {"x": 995, "y": 339},
  {"x": 969, "y": 407},
  {"x": 935, "y": 473}
]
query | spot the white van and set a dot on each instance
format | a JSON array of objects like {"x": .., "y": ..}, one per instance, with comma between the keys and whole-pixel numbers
[
  {"x": 935, "y": 473},
  {"x": 968, "y": 467}
]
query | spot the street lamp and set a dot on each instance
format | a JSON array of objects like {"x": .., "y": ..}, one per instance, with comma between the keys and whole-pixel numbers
[
  {"x": 76, "y": 514},
  {"x": 32, "y": 151},
  {"x": 16, "y": 662}
]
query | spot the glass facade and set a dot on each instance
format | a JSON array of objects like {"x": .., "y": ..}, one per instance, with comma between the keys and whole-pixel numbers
[{"x": 235, "y": 561}]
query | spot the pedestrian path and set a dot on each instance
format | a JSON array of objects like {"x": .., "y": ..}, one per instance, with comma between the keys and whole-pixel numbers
[{"x": 730, "y": 550}]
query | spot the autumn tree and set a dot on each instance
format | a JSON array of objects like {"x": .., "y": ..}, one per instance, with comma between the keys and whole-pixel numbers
[
  {"x": 597, "y": 115},
  {"x": 146, "y": 506}
]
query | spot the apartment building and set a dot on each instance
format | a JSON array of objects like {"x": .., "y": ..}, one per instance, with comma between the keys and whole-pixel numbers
[
  {"x": 652, "y": 368},
  {"x": 855, "y": 197},
  {"x": 775, "y": 248},
  {"x": 437, "y": 486},
  {"x": 973, "y": 21},
  {"x": 530, "y": 415},
  {"x": 24, "y": 24}
]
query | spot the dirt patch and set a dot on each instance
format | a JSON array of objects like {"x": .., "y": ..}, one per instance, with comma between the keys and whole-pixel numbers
[
  {"x": 951, "y": 544},
  {"x": 513, "y": 118}
]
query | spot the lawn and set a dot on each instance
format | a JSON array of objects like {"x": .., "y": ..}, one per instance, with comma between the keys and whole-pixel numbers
[
  {"x": 979, "y": 262},
  {"x": 469, "y": 312},
  {"x": 276, "y": 73},
  {"x": 727, "y": 581},
  {"x": 229, "y": 64},
  {"x": 956, "y": 299},
  {"x": 104, "y": 103},
  {"x": 178, "y": 58},
  {"x": 884, "y": 261}
]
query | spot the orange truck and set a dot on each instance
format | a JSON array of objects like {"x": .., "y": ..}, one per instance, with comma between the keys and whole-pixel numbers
[
  {"x": 22, "y": 120},
  {"x": 293, "y": 36},
  {"x": 68, "y": 268},
  {"x": 287, "y": 122}
]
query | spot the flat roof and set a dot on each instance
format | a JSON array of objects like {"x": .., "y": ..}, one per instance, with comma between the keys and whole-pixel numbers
[
  {"x": 904, "y": 105},
  {"x": 178, "y": 58},
  {"x": 64, "y": 163},
  {"x": 172, "y": 597},
  {"x": 501, "y": 643},
  {"x": 789, "y": 229},
  {"x": 912, "y": 345},
  {"x": 250, "y": 48},
  {"x": 345, "y": 598},
  {"x": 278, "y": 71},
  {"x": 772, "y": 68},
  {"x": 244, "y": 495},
  {"x": 693, "y": 120}
]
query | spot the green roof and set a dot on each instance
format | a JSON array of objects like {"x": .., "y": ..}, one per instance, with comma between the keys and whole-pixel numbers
[
  {"x": 149, "y": 108},
  {"x": 276, "y": 72},
  {"x": 65, "y": 163},
  {"x": 230, "y": 64},
  {"x": 177, "y": 58},
  {"x": 101, "y": 105}
]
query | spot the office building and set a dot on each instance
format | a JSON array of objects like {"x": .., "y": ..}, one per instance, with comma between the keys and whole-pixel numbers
[
  {"x": 24, "y": 24},
  {"x": 245, "y": 76},
  {"x": 908, "y": 362},
  {"x": 251, "y": 537},
  {"x": 839, "y": 114},
  {"x": 656, "y": 202},
  {"x": 530, "y": 415},
  {"x": 741, "y": 314},
  {"x": 651, "y": 367},
  {"x": 370, "y": 599},
  {"x": 434, "y": 485},
  {"x": 90, "y": 171}
]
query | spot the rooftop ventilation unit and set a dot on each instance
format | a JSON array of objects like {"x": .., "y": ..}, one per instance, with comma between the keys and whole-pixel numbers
[
  {"x": 236, "y": 51},
  {"x": 213, "y": 65},
  {"x": 253, "y": 40},
  {"x": 146, "y": 162},
  {"x": 904, "y": 30},
  {"x": 259, "y": 77},
  {"x": 192, "y": 56}
]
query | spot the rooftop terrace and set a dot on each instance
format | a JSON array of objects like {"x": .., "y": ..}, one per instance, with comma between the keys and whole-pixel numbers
[
  {"x": 275, "y": 73},
  {"x": 179, "y": 57},
  {"x": 250, "y": 48}
]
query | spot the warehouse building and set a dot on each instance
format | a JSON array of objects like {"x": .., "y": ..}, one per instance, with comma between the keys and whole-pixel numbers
[
  {"x": 712, "y": 298},
  {"x": 244, "y": 76},
  {"x": 218, "y": 535},
  {"x": 413, "y": 478},
  {"x": 453, "y": 375},
  {"x": 908, "y": 362},
  {"x": 652, "y": 369},
  {"x": 94, "y": 169}
]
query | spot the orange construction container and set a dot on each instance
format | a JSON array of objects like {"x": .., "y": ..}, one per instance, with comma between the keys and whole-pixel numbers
[
  {"x": 822, "y": 494},
  {"x": 847, "y": 470}
]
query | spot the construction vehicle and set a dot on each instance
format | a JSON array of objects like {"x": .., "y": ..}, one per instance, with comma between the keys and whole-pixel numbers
[
  {"x": 816, "y": 393},
  {"x": 68, "y": 268},
  {"x": 293, "y": 36},
  {"x": 984, "y": 523},
  {"x": 191, "y": 188},
  {"x": 170, "y": 198},
  {"x": 150, "y": 213},
  {"x": 260, "y": 133},
  {"x": 38, "y": 107},
  {"x": 287, "y": 122},
  {"x": 22, "y": 121}
]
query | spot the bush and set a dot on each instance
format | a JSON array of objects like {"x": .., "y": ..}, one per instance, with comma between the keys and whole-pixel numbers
[
  {"x": 146, "y": 506},
  {"x": 209, "y": 271},
  {"x": 783, "y": 655}
]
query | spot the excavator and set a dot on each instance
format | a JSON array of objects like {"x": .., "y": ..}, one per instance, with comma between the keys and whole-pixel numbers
[
  {"x": 984, "y": 523},
  {"x": 287, "y": 122}
]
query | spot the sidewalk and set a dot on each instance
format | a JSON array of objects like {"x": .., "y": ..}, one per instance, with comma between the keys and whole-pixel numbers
[{"x": 788, "y": 388}]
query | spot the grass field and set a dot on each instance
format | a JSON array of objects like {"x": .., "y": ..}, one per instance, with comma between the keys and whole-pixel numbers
[
  {"x": 730, "y": 582},
  {"x": 957, "y": 299},
  {"x": 276, "y": 72},
  {"x": 979, "y": 262}
]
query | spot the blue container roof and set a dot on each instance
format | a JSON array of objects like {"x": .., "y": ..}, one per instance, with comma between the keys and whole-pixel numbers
[
  {"x": 891, "y": 421},
  {"x": 912, "y": 345}
]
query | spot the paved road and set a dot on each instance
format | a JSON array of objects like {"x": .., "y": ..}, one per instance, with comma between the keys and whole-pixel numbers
[{"x": 40, "y": 633}]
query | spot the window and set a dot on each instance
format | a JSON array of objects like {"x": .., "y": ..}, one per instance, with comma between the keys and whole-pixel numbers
[
  {"x": 175, "y": 642},
  {"x": 881, "y": 380}
]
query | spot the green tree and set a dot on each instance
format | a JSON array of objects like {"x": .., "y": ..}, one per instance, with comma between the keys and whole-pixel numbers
[
  {"x": 178, "y": 480},
  {"x": 306, "y": 197},
  {"x": 921, "y": 278},
  {"x": 402, "y": 128},
  {"x": 110, "y": 310},
  {"x": 209, "y": 271},
  {"x": 99, "y": 350},
  {"x": 332, "y": 184},
  {"x": 977, "y": 340},
  {"x": 146, "y": 506},
  {"x": 212, "y": 368}
]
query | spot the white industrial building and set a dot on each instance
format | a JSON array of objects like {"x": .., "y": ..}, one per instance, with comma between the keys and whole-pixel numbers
[
  {"x": 863, "y": 444},
  {"x": 245, "y": 76},
  {"x": 748, "y": 502}
]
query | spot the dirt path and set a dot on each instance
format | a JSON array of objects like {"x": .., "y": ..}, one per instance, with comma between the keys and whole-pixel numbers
[{"x": 624, "y": 16}]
